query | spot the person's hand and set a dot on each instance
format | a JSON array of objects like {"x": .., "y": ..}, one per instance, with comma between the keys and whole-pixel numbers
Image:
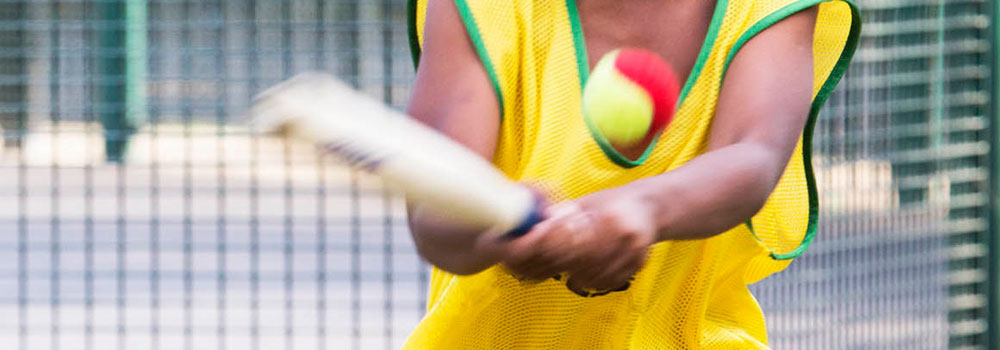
[{"x": 600, "y": 241}]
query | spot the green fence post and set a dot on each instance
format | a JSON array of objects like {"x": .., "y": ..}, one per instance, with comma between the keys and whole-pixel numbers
[
  {"x": 136, "y": 61},
  {"x": 993, "y": 280},
  {"x": 993, "y": 294},
  {"x": 13, "y": 89},
  {"x": 121, "y": 69}
]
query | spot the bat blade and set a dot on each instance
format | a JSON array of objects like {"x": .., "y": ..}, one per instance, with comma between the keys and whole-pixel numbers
[{"x": 430, "y": 168}]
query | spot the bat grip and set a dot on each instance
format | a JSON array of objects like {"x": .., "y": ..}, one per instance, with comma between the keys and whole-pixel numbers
[{"x": 534, "y": 216}]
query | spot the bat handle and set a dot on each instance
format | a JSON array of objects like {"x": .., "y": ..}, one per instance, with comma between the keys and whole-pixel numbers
[{"x": 534, "y": 216}]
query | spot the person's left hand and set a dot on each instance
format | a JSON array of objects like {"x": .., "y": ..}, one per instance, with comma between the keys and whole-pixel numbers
[{"x": 600, "y": 241}]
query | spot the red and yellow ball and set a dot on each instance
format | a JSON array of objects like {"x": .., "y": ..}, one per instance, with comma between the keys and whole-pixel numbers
[{"x": 630, "y": 96}]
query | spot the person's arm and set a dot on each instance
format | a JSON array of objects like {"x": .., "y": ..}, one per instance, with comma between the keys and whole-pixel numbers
[
  {"x": 602, "y": 238},
  {"x": 763, "y": 106},
  {"x": 453, "y": 95}
]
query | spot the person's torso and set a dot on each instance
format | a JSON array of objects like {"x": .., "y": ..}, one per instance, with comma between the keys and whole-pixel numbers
[{"x": 690, "y": 294}]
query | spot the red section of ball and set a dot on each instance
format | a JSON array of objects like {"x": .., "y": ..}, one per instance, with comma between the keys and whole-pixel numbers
[{"x": 648, "y": 70}]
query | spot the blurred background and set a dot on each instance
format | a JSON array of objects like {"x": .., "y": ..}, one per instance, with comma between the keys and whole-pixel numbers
[{"x": 137, "y": 212}]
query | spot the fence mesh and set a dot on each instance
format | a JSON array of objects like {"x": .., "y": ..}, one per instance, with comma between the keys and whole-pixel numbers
[{"x": 199, "y": 235}]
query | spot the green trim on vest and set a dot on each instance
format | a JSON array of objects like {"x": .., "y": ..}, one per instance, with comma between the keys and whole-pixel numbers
[
  {"x": 579, "y": 43},
  {"x": 477, "y": 41},
  {"x": 824, "y": 93},
  {"x": 411, "y": 29},
  {"x": 583, "y": 68}
]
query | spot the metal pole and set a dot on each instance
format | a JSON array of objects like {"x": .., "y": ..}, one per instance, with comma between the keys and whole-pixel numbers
[
  {"x": 121, "y": 72},
  {"x": 993, "y": 237},
  {"x": 13, "y": 90},
  {"x": 136, "y": 58}
]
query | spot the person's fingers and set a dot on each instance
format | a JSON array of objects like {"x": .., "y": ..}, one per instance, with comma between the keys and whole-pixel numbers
[
  {"x": 552, "y": 254},
  {"x": 612, "y": 276},
  {"x": 595, "y": 283},
  {"x": 522, "y": 248},
  {"x": 586, "y": 269},
  {"x": 525, "y": 256},
  {"x": 564, "y": 209},
  {"x": 549, "y": 249},
  {"x": 535, "y": 272},
  {"x": 629, "y": 257},
  {"x": 533, "y": 266},
  {"x": 587, "y": 273},
  {"x": 570, "y": 231},
  {"x": 609, "y": 265},
  {"x": 578, "y": 280}
]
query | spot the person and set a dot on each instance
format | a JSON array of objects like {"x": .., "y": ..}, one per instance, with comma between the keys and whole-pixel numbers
[{"x": 638, "y": 250}]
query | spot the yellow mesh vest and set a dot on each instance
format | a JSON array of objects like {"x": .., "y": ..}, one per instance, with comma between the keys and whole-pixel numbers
[{"x": 690, "y": 294}]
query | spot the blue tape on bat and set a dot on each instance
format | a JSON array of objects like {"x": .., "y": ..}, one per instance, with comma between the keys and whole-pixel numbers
[{"x": 534, "y": 217}]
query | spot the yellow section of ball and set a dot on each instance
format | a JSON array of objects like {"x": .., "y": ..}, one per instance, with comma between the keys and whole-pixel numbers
[{"x": 618, "y": 108}]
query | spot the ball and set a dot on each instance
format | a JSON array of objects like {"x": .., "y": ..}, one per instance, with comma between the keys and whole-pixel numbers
[{"x": 630, "y": 96}]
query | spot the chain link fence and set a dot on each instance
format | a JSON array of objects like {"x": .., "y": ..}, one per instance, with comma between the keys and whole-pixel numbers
[{"x": 138, "y": 212}]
